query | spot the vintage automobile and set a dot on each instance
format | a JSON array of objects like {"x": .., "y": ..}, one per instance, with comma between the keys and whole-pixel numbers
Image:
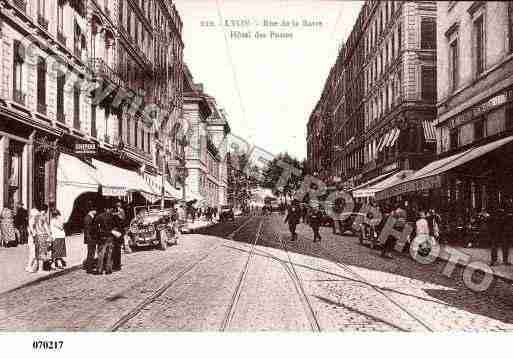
[
  {"x": 151, "y": 227},
  {"x": 350, "y": 222},
  {"x": 226, "y": 214}
]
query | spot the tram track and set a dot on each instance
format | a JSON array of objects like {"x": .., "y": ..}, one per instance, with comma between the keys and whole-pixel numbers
[
  {"x": 366, "y": 282},
  {"x": 127, "y": 317},
  {"x": 293, "y": 273},
  {"x": 300, "y": 289},
  {"x": 240, "y": 282}
]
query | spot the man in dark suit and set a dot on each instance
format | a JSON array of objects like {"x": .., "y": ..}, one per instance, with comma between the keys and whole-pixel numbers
[
  {"x": 315, "y": 222},
  {"x": 21, "y": 222},
  {"x": 90, "y": 239},
  {"x": 105, "y": 223},
  {"x": 292, "y": 219},
  {"x": 120, "y": 218}
]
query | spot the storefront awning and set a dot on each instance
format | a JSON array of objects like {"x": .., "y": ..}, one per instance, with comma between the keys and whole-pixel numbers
[
  {"x": 173, "y": 192},
  {"x": 429, "y": 131},
  {"x": 74, "y": 177},
  {"x": 371, "y": 190},
  {"x": 372, "y": 181},
  {"x": 382, "y": 142},
  {"x": 116, "y": 181},
  {"x": 395, "y": 136},
  {"x": 429, "y": 176},
  {"x": 155, "y": 182}
]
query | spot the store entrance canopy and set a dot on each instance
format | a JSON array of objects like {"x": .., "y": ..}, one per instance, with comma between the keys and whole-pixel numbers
[
  {"x": 360, "y": 190},
  {"x": 74, "y": 177},
  {"x": 429, "y": 176},
  {"x": 116, "y": 181},
  {"x": 372, "y": 189}
]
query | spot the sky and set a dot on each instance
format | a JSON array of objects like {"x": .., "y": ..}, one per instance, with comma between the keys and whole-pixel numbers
[{"x": 267, "y": 86}]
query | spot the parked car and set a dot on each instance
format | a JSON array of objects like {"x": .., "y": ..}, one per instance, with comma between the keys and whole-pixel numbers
[
  {"x": 350, "y": 222},
  {"x": 226, "y": 214},
  {"x": 151, "y": 227}
]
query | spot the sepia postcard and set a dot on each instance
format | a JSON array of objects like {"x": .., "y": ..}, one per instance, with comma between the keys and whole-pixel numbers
[{"x": 254, "y": 167}]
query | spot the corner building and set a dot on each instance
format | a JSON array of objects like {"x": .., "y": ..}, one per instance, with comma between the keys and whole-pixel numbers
[
  {"x": 474, "y": 113},
  {"x": 400, "y": 86},
  {"x": 382, "y": 96},
  {"x": 57, "y": 56}
]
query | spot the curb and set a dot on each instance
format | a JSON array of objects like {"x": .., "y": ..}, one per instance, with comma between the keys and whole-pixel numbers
[
  {"x": 463, "y": 265},
  {"x": 45, "y": 278},
  {"x": 446, "y": 258}
]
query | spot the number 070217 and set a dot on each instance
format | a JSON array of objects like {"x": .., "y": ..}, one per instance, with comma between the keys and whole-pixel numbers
[{"x": 47, "y": 344}]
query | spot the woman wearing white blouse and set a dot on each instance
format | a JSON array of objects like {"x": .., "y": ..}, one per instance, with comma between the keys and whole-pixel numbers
[{"x": 59, "y": 239}]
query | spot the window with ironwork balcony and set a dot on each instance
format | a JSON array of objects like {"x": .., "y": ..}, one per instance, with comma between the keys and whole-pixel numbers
[
  {"x": 60, "y": 23},
  {"x": 19, "y": 59},
  {"x": 60, "y": 98},
  {"x": 76, "y": 107},
  {"x": 41, "y": 86},
  {"x": 21, "y": 5}
]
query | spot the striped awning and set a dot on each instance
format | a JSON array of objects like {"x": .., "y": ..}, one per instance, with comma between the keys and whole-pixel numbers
[
  {"x": 382, "y": 142},
  {"x": 429, "y": 131},
  {"x": 395, "y": 136}
]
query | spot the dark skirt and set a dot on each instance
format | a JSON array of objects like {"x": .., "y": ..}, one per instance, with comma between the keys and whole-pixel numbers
[
  {"x": 59, "y": 248},
  {"x": 42, "y": 248}
]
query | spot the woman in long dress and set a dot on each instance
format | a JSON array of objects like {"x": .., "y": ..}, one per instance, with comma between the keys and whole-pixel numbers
[
  {"x": 34, "y": 262},
  {"x": 59, "y": 239},
  {"x": 44, "y": 240},
  {"x": 7, "y": 229}
]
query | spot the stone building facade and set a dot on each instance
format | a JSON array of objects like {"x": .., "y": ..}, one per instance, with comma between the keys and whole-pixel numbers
[
  {"x": 475, "y": 100},
  {"x": 382, "y": 93},
  {"x": 206, "y": 151},
  {"x": 85, "y": 72}
]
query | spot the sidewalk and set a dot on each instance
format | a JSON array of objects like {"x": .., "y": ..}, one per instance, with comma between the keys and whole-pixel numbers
[
  {"x": 13, "y": 261},
  {"x": 480, "y": 255},
  {"x": 198, "y": 224}
]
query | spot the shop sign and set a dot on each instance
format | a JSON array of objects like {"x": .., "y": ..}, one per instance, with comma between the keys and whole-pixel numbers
[
  {"x": 419, "y": 185},
  {"x": 480, "y": 109},
  {"x": 86, "y": 149}
]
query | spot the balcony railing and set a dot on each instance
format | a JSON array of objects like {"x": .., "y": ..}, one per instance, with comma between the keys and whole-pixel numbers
[
  {"x": 21, "y": 4},
  {"x": 42, "y": 21},
  {"x": 19, "y": 97},
  {"x": 100, "y": 68},
  {"x": 41, "y": 108},
  {"x": 61, "y": 117},
  {"x": 61, "y": 38}
]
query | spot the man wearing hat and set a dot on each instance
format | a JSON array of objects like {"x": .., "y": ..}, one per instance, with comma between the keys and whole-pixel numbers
[
  {"x": 292, "y": 219},
  {"x": 315, "y": 221}
]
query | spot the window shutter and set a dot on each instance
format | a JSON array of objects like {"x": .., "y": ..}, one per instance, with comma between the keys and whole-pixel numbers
[
  {"x": 428, "y": 84},
  {"x": 19, "y": 52},
  {"x": 428, "y": 33}
]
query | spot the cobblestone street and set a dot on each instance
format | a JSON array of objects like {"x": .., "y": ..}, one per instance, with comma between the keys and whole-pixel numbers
[{"x": 248, "y": 275}]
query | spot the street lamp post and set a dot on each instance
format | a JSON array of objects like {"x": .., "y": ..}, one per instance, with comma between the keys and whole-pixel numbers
[{"x": 162, "y": 190}]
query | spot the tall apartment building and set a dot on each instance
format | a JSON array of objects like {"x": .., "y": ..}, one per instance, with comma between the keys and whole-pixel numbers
[
  {"x": 57, "y": 56},
  {"x": 475, "y": 112},
  {"x": 206, "y": 160},
  {"x": 320, "y": 133},
  {"x": 383, "y": 93},
  {"x": 400, "y": 86}
]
